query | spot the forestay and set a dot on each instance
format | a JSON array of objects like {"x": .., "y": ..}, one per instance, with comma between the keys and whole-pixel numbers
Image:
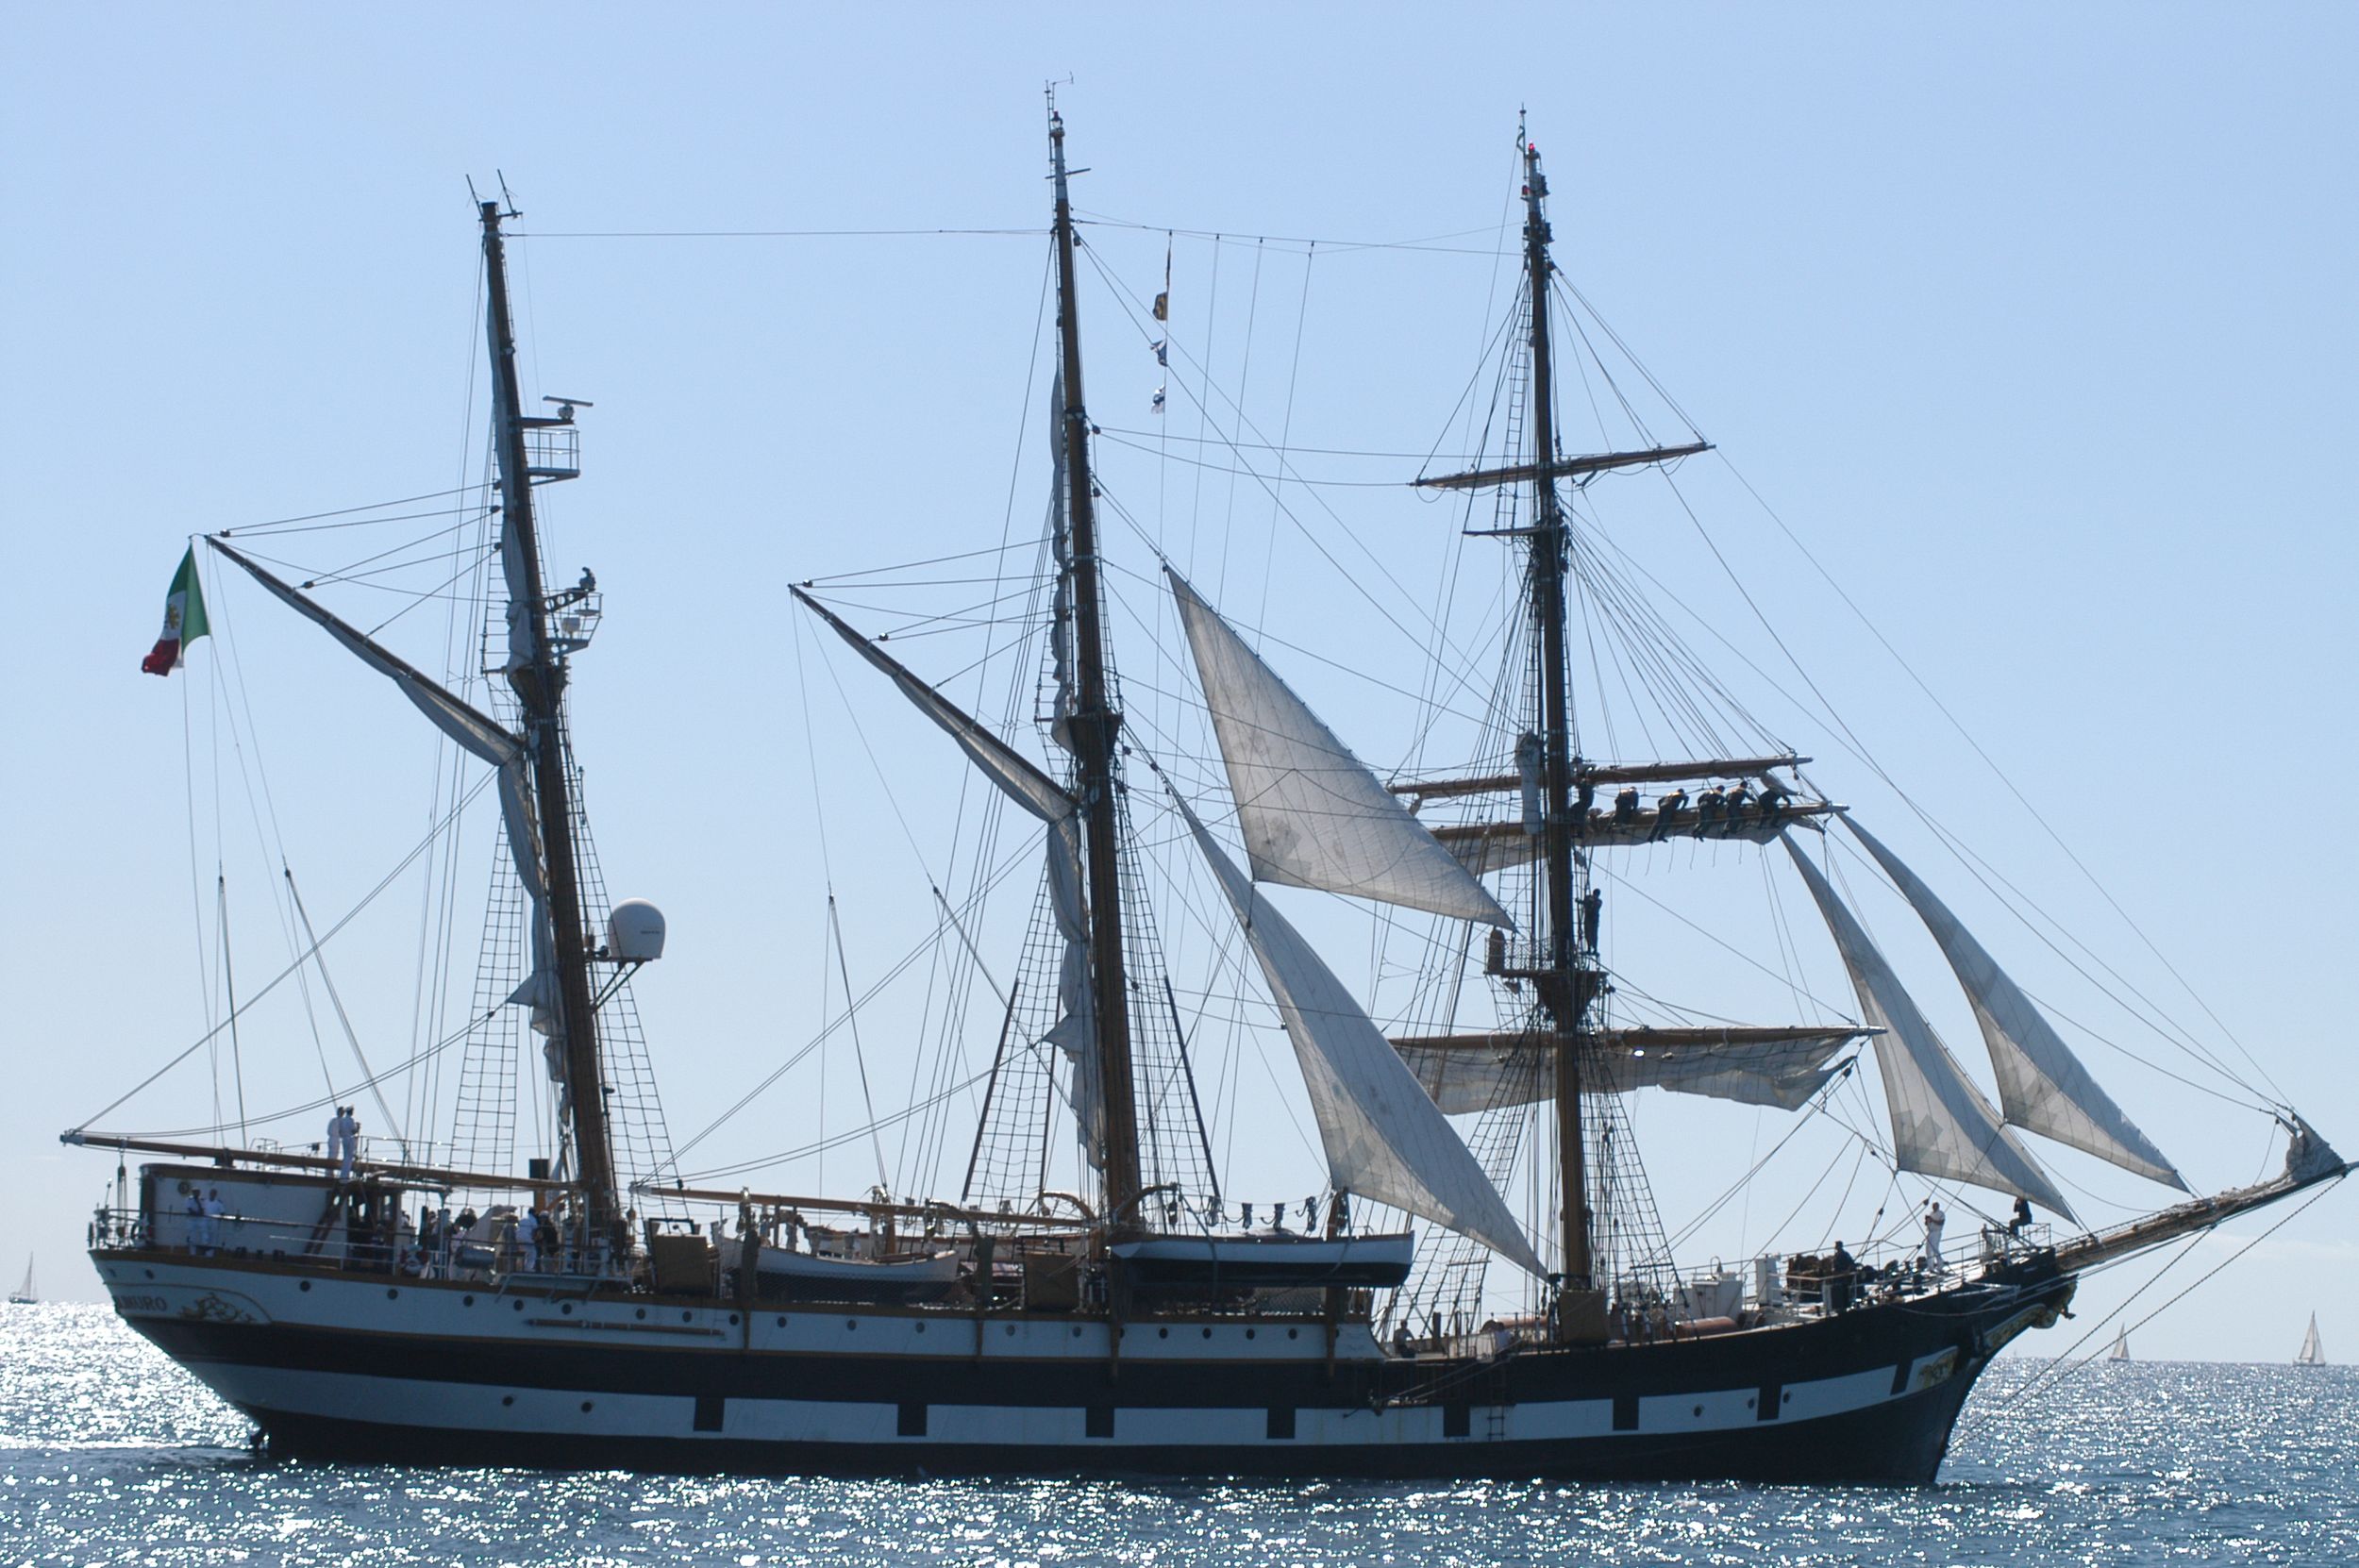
[
  {"x": 1467, "y": 1074},
  {"x": 1312, "y": 814},
  {"x": 1941, "y": 1124},
  {"x": 2042, "y": 1086},
  {"x": 1385, "y": 1139}
]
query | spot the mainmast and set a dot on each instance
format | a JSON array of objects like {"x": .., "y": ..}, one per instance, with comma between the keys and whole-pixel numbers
[
  {"x": 1566, "y": 983},
  {"x": 1094, "y": 726},
  {"x": 536, "y": 671}
]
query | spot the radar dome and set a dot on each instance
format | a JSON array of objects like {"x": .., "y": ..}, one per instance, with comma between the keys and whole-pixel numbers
[{"x": 634, "y": 933}]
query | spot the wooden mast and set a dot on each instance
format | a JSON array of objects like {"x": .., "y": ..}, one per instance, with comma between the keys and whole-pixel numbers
[
  {"x": 1565, "y": 987},
  {"x": 540, "y": 683},
  {"x": 1095, "y": 727}
]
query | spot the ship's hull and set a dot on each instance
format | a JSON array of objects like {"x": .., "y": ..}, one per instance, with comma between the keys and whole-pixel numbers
[{"x": 358, "y": 1367}]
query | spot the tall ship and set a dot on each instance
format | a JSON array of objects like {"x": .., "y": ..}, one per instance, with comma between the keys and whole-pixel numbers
[{"x": 590, "y": 1306}]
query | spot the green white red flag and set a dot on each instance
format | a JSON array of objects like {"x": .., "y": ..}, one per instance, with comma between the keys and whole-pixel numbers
[{"x": 184, "y": 620}]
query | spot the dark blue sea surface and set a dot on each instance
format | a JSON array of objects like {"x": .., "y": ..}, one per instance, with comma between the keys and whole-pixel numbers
[{"x": 112, "y": 1454}]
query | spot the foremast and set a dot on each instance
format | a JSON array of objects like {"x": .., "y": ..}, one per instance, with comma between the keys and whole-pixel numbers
[
  {"x": 536, "y": 669},
  {"x": 1567, "y": 980},
  {"x": 1093, "y": 727}
]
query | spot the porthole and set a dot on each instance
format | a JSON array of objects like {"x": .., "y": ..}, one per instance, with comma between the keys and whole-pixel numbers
[
  {"x": 151, "y": 1274},
  {"x": 1699, "y": 1409},
  {"x": 1077, "y": 1330},
  {"x": 1294, "y": 1333},
  {"x": 467, "y": 1301},
  {"x": 1207, "y": 1333},
  {"x": 921, "y": 1329},
  {"x": 585, "y": 1406},
  {"x": 508, "y": 1399},
  {"x": 1248, "y": 1333},
  {"x": 642, "y": 1314},
  {"x": 1163, "y": 1333},
  {"x": 391, "y": 1293},
  {"x": 304, "y": 1285},
  {"x": 567, "y": 1308},
  {"x": 1010, "y": 1331},
  {"x": 851, "y": 1323},
  {"x": 687, "y": 1317},
  {"x": 517, "y": 1304},
  {"x": 732, "y": 1320},
  {"x": 781, "y": 1323}
]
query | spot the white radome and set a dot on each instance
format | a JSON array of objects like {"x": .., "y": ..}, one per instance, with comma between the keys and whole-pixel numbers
[{"x": 634, "y": 931}]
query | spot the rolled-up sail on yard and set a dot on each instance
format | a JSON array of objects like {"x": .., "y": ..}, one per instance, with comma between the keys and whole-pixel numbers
[
  {"x": 1777, "y": 1067},
  {"x": 1312, "y": 813},
  {"x": 2042, "y": 1086},
  {"x": 1941, "y": 1124},
  {"x": 1384, "y": 1138}
]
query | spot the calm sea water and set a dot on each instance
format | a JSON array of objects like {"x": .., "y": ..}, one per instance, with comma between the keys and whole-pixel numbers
[{"x": 112, "y": 1454}]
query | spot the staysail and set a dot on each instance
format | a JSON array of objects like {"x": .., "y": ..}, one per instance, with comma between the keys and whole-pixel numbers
[
  {"x": 1780, "y": 1068},
  {"x": 1042, "y": 796},
  {"x": 2042, "y": 1086},
  {"x": 1021, "y": 780},
  {"x": 1385, "y": 1139},
  {"x": 1312, "y": 814},
  {"x": 1941, "y": 1125}
]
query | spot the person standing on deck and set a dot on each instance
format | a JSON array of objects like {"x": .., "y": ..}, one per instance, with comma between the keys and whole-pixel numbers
[
  {"x": 214, "y": 1210},
  {"x": 1934, "y": 1220}
]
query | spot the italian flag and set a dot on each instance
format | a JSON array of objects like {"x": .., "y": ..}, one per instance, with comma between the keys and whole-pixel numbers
[{"x": 184, "y": 619}]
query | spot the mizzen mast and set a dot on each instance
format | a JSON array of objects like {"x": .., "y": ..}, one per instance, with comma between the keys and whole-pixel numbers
[
  {"x": 536, "y": 668},
  {"x": 1567, "y": 981},
  {"x": 1093, "y": 727}
]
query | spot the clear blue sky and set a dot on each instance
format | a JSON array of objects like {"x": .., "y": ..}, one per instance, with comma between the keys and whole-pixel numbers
[{"x": 2034, "y": 325}]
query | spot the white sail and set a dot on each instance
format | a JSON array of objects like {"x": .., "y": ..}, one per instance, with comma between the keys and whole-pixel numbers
[
  {"x": 2042, "y": 1086},
  {"x": 1941, "y": 1125},
  {"x": 1466, "y": 1076},
  {"x": 1384, "y": 1138},
  {"x": 1312, "y": 814},
  {"x": 2120, "y": 1351},
  {"x": 1020, "y": 780},
  {"x": 2311, "y": 1354}
]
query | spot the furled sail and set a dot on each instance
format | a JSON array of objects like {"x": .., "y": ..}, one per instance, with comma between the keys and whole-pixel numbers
[
  {"x": 1384, "y": 1138},
  {"x": 1022, "y": 781},
  {"x": 1775, "y": 1067},
  {"x": 1312, "y": 814},
  {"x": 479, "y": 735},
  {"x": 1941, "y": 1125},
  {"x": 2042, "y": 1086},
  {"x": 1076, "y": 1030},
  {"x": 1483, "y": 847}
]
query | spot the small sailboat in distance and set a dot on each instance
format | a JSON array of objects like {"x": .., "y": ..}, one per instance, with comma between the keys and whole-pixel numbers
[
  {"x": 22, "y": 1296},
  {"x": 2121, "y": 1352},
  {"x": 2310, "y": 1355}
]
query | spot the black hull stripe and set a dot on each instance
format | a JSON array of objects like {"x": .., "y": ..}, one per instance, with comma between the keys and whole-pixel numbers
[{"x": 1897, "y": 1443}]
